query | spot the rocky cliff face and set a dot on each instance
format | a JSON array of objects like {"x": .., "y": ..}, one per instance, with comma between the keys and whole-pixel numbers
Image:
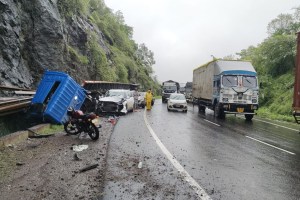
[{"x": 34, "y": 37}]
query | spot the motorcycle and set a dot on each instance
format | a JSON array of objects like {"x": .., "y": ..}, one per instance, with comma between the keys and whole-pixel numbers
[{"x": 79, "y": 122}]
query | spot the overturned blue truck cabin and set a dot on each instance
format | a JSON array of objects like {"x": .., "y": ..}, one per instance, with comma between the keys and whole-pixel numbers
[{"x": 56, "y": 92}]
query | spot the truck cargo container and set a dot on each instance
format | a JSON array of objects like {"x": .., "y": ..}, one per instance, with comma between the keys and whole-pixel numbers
[
  {"x": 227, "y": 87},
  {"x": 296, "y": 99}
]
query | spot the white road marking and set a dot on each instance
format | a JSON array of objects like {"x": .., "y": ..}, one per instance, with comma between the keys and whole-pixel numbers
[
  {"x": 270, "y": 145},
  {"x": 211, "y": 122},
  {"x": 277, "y": 125},
  {"x": 184, "y": 174},
  {"x": 292, "y": 129}
]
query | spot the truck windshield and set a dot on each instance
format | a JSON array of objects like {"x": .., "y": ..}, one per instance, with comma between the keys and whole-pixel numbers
[
  {"x": 230, "y": 81},
  {"x": 249, "y": 81},
  {"x": 170, "y": 88}
]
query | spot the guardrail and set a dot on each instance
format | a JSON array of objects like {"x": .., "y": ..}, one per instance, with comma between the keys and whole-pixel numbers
[{"x": 19, "y": 99}]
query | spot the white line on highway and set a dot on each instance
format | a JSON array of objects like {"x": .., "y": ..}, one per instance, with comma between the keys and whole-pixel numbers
[
  {"x": 277, "y": 125},
  {"x": 272, "y": 124},
  {"x": 184, "y": 174},
  {"x": 270, "y": 145},
  {"x": 211, "y": 122}
]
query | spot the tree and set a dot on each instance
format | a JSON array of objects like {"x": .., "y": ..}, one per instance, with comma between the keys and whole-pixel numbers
[
  {"x": 281, "y": 25},
  {"x": 229, "y": 57},
  {"x": 145, "y": 55},
  {"x": 278, "y": 54}
]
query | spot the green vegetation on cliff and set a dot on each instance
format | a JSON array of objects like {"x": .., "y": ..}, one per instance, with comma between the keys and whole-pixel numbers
[
  {"x": 274, "y": 60},
  {"x": 125, "y": 62}
]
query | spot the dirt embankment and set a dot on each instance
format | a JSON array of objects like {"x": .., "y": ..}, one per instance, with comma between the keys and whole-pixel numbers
[{"x": 49, "y": 168}]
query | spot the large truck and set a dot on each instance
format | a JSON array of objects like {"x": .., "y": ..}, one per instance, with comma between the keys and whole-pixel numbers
[
  {"x": 169, "y": 87},
  {"x": 296, "y": 99},
  {"x": 227, "y": 87}
]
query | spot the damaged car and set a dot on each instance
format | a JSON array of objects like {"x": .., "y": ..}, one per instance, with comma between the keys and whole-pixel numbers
[{"x": 116, "y": 101}]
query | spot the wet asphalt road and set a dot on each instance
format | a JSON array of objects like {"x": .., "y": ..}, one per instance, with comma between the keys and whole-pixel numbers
[{"x": 229, "y": 159}]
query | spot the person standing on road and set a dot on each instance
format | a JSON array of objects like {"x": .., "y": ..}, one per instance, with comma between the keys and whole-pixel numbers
[{"x": 148, "y": 98}]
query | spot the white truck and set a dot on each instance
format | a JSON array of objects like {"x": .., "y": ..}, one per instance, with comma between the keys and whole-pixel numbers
[{"x": 227, "y": 87}]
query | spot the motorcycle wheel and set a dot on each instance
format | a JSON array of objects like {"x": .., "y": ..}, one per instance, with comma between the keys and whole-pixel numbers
[
  {"x": 93, "y": 132},
  {"x": 71, "y": 128}
]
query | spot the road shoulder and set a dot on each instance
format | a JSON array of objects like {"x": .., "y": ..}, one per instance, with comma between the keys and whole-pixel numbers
[{"x": 47, "y": 168}]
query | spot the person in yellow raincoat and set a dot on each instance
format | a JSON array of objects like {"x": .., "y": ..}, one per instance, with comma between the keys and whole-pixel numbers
[{"x": 148, "y": 99}]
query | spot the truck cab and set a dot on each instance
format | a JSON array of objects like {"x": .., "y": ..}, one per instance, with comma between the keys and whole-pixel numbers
[
  {"x": 168, "y": 88},
  {"x": 236, "y": 93}
]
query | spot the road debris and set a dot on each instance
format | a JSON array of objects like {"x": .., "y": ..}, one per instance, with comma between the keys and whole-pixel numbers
[
  {"x": 76, "y": 158},
  {"x": 113, "y": 119},
  {"x": 19, "y": 163},
  {"x": 79, "y": 148},
  {"x": 89, "y": 168},
  {"x": 140, "y": 165}
]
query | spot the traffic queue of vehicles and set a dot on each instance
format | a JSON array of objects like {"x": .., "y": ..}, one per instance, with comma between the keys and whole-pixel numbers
[{"x": 224, "y": 86}]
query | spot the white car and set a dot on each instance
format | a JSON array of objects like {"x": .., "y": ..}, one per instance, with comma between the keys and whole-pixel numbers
[
  {"x": 117, "y": 101},
  {"x": 177, "y": 102}
]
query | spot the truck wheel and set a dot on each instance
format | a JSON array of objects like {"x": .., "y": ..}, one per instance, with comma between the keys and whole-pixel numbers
[
  {"x": 201, "y": 109},
  {"x": 219, "y": 113},
  {"x": 248, "y": 117}
]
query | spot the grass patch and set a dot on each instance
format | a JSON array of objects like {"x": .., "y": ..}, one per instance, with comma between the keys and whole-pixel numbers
[
  {"x": 7, "y": 164},
  {"x": 157, "y": 97},
  {"x": 266, "y": 113},
  {"x": 76, "y": 56},
  {"x": 51, "y": 129}
]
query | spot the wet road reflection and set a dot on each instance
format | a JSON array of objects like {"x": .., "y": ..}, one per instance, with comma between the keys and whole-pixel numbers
[{"x": 226, "y": 163}]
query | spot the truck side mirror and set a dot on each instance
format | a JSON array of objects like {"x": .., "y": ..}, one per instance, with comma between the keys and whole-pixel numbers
[{"x": 261, "y": 85}]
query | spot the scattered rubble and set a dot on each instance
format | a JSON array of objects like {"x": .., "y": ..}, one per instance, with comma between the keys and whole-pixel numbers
[{"x": 44, "y": 168}]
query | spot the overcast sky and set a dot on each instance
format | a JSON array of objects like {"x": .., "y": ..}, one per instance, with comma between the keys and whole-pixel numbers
[{"x": 184, "y": 34}]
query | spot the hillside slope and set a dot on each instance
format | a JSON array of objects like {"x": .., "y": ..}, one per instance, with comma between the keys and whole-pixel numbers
[{"x": 83, "y": 38}]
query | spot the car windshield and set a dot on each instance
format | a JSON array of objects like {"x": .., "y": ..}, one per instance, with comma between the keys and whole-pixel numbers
[
  {"x": 177, "y": 97},
  {"x": 230, "y": 81},
  {"x": 118, "y": 93},
  {"x": 249, "y": 81}
]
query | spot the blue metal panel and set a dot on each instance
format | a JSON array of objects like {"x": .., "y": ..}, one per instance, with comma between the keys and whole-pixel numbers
[
  {"x": 239, "y": 72},
  {"x": 62, "y": 98}
]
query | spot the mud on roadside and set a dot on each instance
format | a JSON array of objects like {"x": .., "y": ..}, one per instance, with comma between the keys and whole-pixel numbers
[{"x": 47, "y": 168}]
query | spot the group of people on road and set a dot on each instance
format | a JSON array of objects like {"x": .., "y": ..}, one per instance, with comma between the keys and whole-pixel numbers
[{"x": 148, "y": 99}]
